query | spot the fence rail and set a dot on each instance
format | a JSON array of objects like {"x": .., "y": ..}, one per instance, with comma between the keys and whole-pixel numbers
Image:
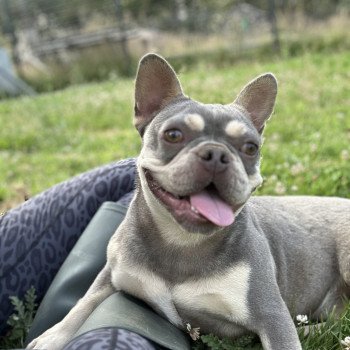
[{"x": 83, "y": 40}]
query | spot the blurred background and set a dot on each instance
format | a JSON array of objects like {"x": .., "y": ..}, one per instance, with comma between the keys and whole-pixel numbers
[
  {"x": 46, "y": 45},
  {"x": 73, "y": 64}
]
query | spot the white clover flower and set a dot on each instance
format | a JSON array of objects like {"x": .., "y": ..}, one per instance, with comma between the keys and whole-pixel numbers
[
  {"x": 313, "y": 147},
  {"x": 346, "y": 343},
  {"x": 344, "y": 154},
  {"x": 302, "y": 319},
  {"x": 280, "y": 188},
  {"x": 297, "y": 168},
  {"x": 294, "y": 188},
  {"x": 273, "y": 178},
  {"x": 275, "y": 136},
  {"x": 273, "y": 146},
  {"x": 193, "y": 332}
]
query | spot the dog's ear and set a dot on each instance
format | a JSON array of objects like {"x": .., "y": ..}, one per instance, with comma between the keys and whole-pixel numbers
[
  {"x": 258, "y": 99},
  {"x": 156, "y": 86}
]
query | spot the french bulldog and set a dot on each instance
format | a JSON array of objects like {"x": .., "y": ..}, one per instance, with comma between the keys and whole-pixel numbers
[{"x": 195, "y": 245}]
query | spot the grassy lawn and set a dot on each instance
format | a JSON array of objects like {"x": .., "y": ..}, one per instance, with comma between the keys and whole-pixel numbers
[{"x": 51, "y": 137}]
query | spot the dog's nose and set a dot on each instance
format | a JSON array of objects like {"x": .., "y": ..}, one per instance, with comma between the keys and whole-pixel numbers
[{"x": 214, "y": 158}]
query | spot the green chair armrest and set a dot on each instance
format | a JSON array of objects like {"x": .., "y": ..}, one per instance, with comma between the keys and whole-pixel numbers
[{"x": 77, "y": 273}]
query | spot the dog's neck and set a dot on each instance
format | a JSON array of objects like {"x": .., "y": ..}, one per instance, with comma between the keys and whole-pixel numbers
[{"x": 168, "y": 257}]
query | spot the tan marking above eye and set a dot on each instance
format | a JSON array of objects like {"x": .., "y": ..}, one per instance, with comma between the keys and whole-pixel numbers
[
  {"x": 195, "y": 122},
  {"x": 234, "y": 128}
]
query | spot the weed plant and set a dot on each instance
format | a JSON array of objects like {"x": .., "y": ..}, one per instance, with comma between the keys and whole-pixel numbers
[{"x": 20, "y": 321}]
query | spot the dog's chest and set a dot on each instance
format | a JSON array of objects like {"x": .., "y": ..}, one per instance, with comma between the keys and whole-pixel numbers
[{"x": 224, "y": 294}]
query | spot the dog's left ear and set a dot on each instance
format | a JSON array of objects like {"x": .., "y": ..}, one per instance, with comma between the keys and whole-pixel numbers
[
  {"x": 258, "y": 99},
  {"x": 156, "y": 86}
]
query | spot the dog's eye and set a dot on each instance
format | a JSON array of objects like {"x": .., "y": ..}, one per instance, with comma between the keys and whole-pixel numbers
[
  {"x": 250, "y": 149},
  {"x": 173, "y": 135}
]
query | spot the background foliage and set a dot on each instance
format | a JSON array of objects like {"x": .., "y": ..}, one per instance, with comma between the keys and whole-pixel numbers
[
  {"x": 51, "y": 137},
  {"x": 180, "y": 29}
]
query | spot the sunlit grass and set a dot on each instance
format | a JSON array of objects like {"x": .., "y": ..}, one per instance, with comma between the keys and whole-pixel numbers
[
  {"x": 330, "y": 334},
  {"x": 51, "y": 137}
]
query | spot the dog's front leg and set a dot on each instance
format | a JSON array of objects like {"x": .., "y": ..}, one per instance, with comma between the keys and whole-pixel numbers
[
  {"x": 277, "y": 330},
  {"x": 59, "y": 335}
]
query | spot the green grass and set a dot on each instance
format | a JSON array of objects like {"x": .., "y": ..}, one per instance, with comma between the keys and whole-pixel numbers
[
  {"x": 325, "y": 335},
  {"x": 51, "y": 137},
  {"x": 46, "y": 139}
]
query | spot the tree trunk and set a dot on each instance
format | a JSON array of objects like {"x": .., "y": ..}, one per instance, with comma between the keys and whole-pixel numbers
[{"x": 274, "y": 29}]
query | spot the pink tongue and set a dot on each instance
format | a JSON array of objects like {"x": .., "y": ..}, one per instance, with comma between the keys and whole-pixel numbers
[{"x": 213, "y": 208}]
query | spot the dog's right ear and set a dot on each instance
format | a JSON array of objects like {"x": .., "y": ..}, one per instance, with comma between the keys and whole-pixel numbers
[
  {"x": 258, "y": 99},
  {"x": 156, "y": 86}
]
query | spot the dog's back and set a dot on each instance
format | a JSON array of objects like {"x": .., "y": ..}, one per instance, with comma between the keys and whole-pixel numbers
[{"x": 310, "y": 243}]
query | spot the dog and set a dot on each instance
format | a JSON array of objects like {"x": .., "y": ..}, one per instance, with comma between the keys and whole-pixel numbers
[{"x": 196, "y": 245}]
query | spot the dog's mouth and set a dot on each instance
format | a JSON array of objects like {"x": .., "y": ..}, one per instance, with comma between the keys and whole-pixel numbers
[{"x": 202, "y": 207}]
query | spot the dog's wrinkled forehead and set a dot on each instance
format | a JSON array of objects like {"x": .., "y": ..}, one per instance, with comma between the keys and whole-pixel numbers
[
  {"x": 212, "y": 120},
  {"x": 218, "y": 118}
]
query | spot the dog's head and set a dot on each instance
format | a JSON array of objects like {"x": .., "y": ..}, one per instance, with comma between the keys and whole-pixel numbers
[{"x": 199, "y": 162}]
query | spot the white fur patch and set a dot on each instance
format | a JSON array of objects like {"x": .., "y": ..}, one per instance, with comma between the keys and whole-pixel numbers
[
  {"x": 255, "y": 179},
  {"x": 234, "y": 128},
  {"x": 195, "y": 122},
  {"x": 224, "y": 294},
  {"x": 171, "y": 231},
  {"x": 147, "y": 286}
]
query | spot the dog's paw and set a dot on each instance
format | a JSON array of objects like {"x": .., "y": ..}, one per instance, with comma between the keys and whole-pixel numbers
[
  {"x": 46, "y": 343},
  {"x": 52, "y": 339}
]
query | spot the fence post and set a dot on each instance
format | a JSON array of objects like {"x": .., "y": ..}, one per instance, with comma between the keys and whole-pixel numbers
[
  {"x": 123, "y": 42},
  {"x": 274, "y": 29}
]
